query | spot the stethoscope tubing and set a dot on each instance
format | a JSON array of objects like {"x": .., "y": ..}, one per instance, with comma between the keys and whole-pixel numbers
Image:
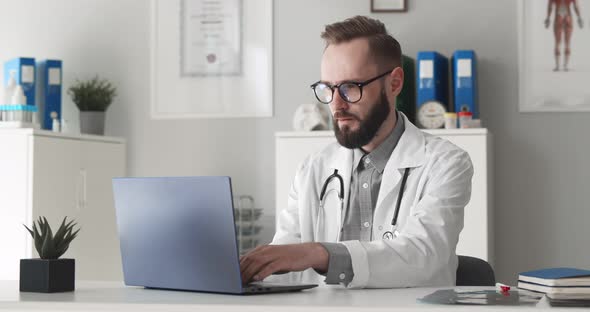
[
  {"x": 399, "y": 197},
  {"x": 337, "y": 176},
  {"x": 386, "y": 235}
]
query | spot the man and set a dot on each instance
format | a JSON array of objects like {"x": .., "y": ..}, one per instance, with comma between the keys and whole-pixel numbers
[{"x": 383, "y": 207}]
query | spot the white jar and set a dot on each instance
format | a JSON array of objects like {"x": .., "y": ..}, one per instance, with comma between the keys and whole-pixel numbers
[
  {"x": 450, "y": 121},
  {"x": 465, "y": 119}
]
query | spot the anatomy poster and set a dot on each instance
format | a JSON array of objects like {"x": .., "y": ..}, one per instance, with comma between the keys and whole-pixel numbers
[{"x": 554, "y": 55}]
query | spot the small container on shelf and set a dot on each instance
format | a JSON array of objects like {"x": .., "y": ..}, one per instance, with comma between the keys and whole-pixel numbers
[
  {"x": 475, "y": 123},
  {"x": 18, "y": 116},
  {"x": 465, "y": 119},
  {"x": 450, "y": 121}
]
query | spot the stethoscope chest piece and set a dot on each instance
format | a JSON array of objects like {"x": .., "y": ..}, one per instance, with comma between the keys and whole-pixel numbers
[{"x": 390, "y": 234}]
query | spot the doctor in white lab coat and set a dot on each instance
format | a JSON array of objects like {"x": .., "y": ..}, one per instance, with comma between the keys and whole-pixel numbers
[{"x": 359, "y": 84}]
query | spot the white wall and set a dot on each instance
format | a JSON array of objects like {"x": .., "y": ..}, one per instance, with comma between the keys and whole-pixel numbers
[{"x": 540, "y": 162}]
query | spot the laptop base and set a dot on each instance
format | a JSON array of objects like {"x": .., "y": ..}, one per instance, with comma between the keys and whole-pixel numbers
[{"x": 265, "y": 288}]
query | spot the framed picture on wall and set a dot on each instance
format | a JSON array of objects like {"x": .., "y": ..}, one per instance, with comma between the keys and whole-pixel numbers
[
  {"x": 553, "y": 56},
  {"x": 378, "y": 6},
  {"x": 211, "y": 59},
  {"x": 210, "y": 38}
]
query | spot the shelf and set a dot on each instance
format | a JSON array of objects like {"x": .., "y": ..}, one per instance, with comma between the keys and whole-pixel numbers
[
  {"x": 330, "y": 133},
  {"x": 71, "y": 136}
]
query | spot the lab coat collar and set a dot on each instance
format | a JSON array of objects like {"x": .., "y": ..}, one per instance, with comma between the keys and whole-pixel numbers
[
  {"x": 411, "y": 148},
  {"x": 410, "y": 135},
  {"x": 409, "y": 153}
]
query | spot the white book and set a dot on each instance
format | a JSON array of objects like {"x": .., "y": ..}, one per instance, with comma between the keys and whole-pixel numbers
[
  {"x": 573, "y": 281},
  {"x": 567, "y": 292}
]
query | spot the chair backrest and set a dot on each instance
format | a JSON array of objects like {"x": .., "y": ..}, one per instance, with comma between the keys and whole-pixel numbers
[{"x": 474, "y": 272}]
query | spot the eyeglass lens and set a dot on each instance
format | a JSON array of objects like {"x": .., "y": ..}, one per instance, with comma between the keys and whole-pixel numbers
[{"x": 349, "y": 92}]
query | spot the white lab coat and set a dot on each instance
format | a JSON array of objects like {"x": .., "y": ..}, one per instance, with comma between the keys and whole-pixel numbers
[{"x": 430, "y": 218}]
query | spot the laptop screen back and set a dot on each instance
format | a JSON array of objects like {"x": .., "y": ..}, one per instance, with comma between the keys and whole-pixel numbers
[{"x": 178, "y": 233}]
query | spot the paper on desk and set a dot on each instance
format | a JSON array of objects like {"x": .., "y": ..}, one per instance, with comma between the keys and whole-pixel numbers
[{"x": 480, "y": 297}]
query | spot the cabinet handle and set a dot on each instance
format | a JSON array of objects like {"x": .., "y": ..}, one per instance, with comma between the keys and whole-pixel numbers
[
  {"x": 78, "y": 191},
  {"x": 84, "y": 193},
  {"x": 81, "y": 188}
]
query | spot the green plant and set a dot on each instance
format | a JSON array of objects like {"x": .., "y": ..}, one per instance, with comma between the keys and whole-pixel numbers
[
  {"x": 92, "y": 95},
  {"x": 51, "y": 246}
]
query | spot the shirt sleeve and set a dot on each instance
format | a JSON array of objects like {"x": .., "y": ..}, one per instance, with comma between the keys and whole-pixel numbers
[{"x": 339, "y": 264}]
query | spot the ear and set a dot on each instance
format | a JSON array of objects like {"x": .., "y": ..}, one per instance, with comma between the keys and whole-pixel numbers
[{"x": 397, "y": 80}]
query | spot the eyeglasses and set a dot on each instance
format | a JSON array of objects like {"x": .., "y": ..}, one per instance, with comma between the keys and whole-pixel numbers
[{"x": 350, "y": 91}]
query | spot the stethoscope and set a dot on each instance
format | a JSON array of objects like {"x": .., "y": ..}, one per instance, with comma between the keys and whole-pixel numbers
[{"x": 336, "y": 175}]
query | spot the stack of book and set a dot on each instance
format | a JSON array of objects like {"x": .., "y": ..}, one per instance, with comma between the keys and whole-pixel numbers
[{"x": 563, "y": 286}]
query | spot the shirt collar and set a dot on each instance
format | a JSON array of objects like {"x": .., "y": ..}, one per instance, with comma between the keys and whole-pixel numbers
[{"x": 378, "y": 157}]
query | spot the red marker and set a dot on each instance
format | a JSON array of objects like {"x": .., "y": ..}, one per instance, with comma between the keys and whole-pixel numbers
[{"x": 502, "y": 288}]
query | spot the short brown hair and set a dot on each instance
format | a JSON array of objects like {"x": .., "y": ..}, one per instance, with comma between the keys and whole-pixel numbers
[{"x": 384, "y": 48}]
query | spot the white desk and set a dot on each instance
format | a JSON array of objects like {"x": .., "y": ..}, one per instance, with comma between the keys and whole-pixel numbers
[{"x": 109, "y": 296}]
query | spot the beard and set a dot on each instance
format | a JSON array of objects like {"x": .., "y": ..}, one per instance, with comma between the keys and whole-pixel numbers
[{"x": 367, "y": 128}]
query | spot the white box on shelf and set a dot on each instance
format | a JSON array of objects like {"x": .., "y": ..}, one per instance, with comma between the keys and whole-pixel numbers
[{"x": 19, "y": 124}]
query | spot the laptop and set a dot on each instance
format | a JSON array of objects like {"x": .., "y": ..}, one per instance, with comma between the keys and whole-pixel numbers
[{"x": 179, "y": 233}]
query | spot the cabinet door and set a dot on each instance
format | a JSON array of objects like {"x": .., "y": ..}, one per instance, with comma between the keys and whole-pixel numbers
[
  {"x": 14, "y": 202},
  {"x": 72, "y": 178},
  {"x": 56, "y": 179},
  {"x": 476, "y": 237},
  {"x": 100, "y": 257}
]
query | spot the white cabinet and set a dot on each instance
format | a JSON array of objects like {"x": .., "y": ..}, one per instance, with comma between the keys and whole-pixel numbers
[
  {"x": 476, "y": 237},
  {"x": 55, "y": 175}
]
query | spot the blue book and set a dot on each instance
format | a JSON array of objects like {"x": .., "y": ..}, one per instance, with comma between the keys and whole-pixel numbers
[
  {"x": 23, "y": 69},
  {"x": 465, "y": 82},
  {"x": 557, "y": 277},
  {"x": 432, "y": 79},
  {"x": 50, "y": 89}
]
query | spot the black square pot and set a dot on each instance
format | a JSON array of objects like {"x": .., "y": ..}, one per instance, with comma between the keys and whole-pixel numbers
[{"x": 47, "y": 276}]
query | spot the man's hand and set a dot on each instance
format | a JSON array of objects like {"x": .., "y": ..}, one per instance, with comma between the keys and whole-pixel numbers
[
  {"x": 547, "y": 23},
  {"x": 266, "y": 260}
]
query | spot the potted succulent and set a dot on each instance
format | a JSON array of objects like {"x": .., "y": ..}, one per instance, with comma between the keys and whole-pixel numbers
[
  {"x": 92, "y": 97},
  {"x": 49, "y": 273}
]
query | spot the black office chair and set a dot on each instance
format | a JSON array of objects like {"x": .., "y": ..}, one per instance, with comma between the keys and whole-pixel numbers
[{"x": 474, "y": 272}]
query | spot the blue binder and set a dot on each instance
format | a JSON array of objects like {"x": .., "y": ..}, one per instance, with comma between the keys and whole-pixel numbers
[
  {"x": 465, "y": 82},
  {"x": 24, "y": 74},
  {"x": 50, "y": 88},
  {"x": 432, "y": 78}
]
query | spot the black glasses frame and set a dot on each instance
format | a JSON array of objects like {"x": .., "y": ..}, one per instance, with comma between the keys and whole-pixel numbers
[{"x": 359, "y": 84}]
